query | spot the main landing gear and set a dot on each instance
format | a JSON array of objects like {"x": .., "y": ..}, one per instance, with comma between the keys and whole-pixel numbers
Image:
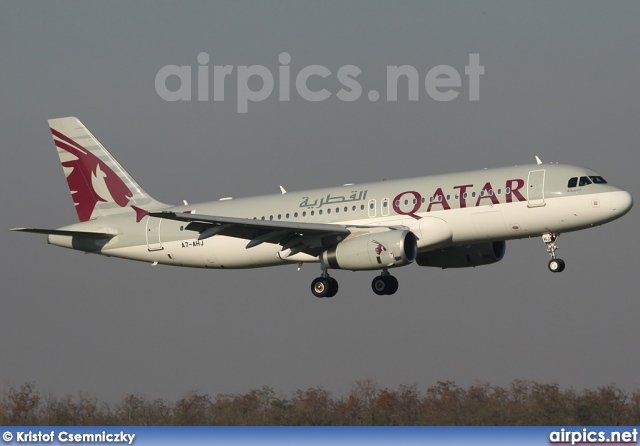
[
  {"x": 384, "y": 284},
  {"x": 326, "y": 286},
  {"x": 555, "y": 265}
]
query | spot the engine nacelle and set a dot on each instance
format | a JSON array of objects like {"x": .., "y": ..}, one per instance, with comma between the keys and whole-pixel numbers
[
  {"x": 464, "y": 256},
  {"x": 374, "y": 250}
]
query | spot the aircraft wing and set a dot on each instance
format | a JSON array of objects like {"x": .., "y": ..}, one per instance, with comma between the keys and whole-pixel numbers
[{"x": 293, "y": 236}]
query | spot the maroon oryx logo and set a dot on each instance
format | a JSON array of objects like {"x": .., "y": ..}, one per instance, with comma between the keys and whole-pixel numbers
[
  {"x": 380, "y": 248},
  {"x": 90, "y": 180}
]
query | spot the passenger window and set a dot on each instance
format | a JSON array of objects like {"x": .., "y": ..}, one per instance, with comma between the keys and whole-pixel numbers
[
  {"x": 573, "y": 182},
  {"x": 584, "y": 181}
]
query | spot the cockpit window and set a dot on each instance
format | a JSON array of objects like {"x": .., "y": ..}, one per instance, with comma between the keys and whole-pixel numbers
[
  {"x": 584, "y": 181},
  {"x": 598, "y": 180}
]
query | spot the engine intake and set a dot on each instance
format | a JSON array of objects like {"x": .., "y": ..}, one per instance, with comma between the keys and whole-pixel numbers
[
  {"x": 374, "y": 250},
  {"x": 464, "y": 256}
]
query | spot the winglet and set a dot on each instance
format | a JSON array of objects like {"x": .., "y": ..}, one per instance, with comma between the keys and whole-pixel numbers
[{"x": 538, "y": 161}]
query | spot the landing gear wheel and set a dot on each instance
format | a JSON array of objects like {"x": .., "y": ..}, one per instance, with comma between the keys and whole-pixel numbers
[
  {"x": 324, "y": 287},
  {"x": 393, "y": 285},
  {"x": 556, "y": 265},
  {"x": 379, "y": 285},
  {"x": 382, "y": 285},
  {"x": 333, "y": 287}
]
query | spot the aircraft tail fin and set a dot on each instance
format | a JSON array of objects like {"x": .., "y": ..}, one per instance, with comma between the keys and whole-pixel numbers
[{"x": 99, "y": 185}]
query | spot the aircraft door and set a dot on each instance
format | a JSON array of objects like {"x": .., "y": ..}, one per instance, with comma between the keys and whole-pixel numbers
[
  {"x": 535, "y": 188},
  {"x": 372, "y": 208},
  {"x": 384, "y": 207},
  {"x": 153, "y": 233}
]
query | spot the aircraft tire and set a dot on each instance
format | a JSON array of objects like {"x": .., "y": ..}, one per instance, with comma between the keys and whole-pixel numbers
[
  {"x": 392, "y": 284},
  {"x": 556, "y": 265},
  {"x": 324, "y": 287},
  {"x": 333, "y": 287},
  {"x": 320, "y": 287},
  {"x": 380, "y": 285}
]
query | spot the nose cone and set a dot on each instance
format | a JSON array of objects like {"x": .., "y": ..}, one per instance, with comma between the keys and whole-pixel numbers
[{"x": 621, "y": 202}]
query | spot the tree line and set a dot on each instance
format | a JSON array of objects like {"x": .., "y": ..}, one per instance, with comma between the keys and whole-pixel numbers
[{"x": 521, "y": 403}]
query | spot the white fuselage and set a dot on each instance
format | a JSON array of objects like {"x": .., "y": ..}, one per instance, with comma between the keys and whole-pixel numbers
[{"x": 442, "y": 211}]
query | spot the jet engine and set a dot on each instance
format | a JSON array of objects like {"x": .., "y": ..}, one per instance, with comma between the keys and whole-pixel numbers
[
  {"x": 464, "y": 256},
  {"x": 373, "y": 250}
]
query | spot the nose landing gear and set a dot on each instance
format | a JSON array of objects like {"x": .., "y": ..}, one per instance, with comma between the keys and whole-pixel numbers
[{"x": 555, "y": 265}]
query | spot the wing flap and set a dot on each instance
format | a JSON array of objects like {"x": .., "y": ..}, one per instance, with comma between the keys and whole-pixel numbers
[
  {"x": 304, "y": 237},
  {"x": 305, "y": 228}
]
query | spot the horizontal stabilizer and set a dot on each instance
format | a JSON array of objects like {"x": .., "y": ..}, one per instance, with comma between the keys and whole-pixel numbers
[{"x": 80, "y": 234}]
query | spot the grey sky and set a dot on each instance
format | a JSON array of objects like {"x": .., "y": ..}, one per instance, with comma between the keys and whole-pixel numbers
[{"x": 560, "y": 82}]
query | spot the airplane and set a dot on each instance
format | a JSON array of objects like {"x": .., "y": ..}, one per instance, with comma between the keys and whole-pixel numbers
[{"x": 447, "y": 221}]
